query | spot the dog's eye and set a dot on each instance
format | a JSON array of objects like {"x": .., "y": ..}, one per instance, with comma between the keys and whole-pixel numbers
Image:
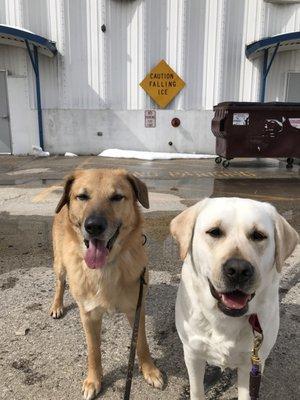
[
  {"x": 82, "y": 197},
  {"x": 117, "y": 197},
  {"x": 257, "y": 236},
  {"x": 215, "y": 232}
]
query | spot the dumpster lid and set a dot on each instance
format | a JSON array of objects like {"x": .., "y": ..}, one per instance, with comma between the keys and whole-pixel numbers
[
  {"x": 286, "y": 41},
  {"x": 253, "y": 104}
]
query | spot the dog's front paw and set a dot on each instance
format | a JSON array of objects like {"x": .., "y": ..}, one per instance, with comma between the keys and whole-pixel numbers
[
  {"x": 90, "y": 388},
  {"x": 57, "y": 310},
  {"x": 152, "y": 375}
]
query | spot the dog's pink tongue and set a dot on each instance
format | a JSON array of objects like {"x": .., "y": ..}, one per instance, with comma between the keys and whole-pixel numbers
[
  {"x": 235, "y": 301},
  {"x": 96, "y": 254}
]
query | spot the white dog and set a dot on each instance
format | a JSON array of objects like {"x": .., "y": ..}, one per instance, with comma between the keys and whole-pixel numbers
[{"x": 233, "y": 251}]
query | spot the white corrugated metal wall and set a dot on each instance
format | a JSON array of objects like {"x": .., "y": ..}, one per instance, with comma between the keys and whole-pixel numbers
[
  {"x": 202, "y": 40},
  {"x": 281, "y": 20}
]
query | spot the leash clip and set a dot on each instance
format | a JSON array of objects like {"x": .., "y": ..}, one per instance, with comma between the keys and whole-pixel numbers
[{"x": 257, "y": 342}]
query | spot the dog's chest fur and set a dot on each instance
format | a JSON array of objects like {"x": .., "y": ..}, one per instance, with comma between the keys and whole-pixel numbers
[
  {"x": 113, "y": 288},
  {"x": 220, "y": 340},
  {"x": 225, "y": 346}
]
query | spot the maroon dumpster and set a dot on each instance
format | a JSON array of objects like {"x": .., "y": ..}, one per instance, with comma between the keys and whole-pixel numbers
[{"x": 256, "y": 130}]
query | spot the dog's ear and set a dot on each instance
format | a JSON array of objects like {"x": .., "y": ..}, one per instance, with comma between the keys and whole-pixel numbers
[
  {"x": 140, "y": 190},
  {"x": 286, "y": 239},
  {"x": 66, "y": 194},
  {"x": 182, "y": 227}
]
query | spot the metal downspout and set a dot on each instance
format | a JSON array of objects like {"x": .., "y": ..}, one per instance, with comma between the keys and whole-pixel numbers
[
  {"x": 263, "y": 77},
  {"x": 35, "y": 65},
  {"x": 38, "y": 97},
  {"x": 265, "y": 71}
]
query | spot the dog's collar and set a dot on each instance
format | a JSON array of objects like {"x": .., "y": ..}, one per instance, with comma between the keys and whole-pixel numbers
[{"x": 145, "y": 239}]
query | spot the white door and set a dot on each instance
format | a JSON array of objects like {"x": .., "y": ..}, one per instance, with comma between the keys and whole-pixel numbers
[
  {"x": 293, "y": 87},
  {"x": 5, "y": 142}
]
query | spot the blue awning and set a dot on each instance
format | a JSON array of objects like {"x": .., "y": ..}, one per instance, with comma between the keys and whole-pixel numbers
[
  {"x": 285, "y": 41},
  {"x": 16, "y": 36}
]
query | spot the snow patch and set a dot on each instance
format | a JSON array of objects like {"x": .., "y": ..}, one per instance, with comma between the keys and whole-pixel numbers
[
  {"x": 39, "y": 152},
  {"x": 68, "y": 154},
  {"x": 18, "y": 27},
  {"x": 150, "y": 155}
]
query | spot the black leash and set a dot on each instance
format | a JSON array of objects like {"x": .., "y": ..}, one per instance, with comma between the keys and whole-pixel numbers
[{"x": 135, "y": 332}]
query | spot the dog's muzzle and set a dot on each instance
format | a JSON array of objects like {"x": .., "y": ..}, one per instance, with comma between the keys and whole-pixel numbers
[
  {"x": 110, "y": 242},
  {"x": 98, "y": 249},
  {"x": 234, "y": 303}
]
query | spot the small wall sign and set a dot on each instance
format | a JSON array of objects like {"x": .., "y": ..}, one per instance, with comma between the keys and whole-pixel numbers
[
  {"x": 162, "y": 84},
  {"x": 150, "y": 118}
]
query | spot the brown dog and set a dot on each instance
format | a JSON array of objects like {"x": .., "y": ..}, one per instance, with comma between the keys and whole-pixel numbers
[{"x": 98, "y": 243}]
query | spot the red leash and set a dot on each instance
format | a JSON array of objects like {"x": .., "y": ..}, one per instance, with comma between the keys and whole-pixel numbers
[
  {"x": 254, "y": 322},
  {"x": 255, "y": 373}
]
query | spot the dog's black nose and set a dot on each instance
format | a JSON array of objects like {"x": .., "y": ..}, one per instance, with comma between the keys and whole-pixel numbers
[
  {"x": 238, "y": 271},
  {"x": 95, "y": 224}
]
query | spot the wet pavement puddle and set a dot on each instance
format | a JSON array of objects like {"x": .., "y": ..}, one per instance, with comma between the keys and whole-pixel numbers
[{"x": 29, "y": 236}]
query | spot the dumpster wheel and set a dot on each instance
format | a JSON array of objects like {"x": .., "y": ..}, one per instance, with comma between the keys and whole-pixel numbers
[
  {"x": 290, "y": 162},
  {"x": 226, "y": 163},
  {"x": 218, "y": 160}
]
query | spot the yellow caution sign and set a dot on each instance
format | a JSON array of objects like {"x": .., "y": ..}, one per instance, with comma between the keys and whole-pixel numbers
[{"x": 162, "y": 84}]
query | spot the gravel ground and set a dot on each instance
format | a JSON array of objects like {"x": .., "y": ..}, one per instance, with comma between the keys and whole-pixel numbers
[{"x": 42, "y": 358}]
